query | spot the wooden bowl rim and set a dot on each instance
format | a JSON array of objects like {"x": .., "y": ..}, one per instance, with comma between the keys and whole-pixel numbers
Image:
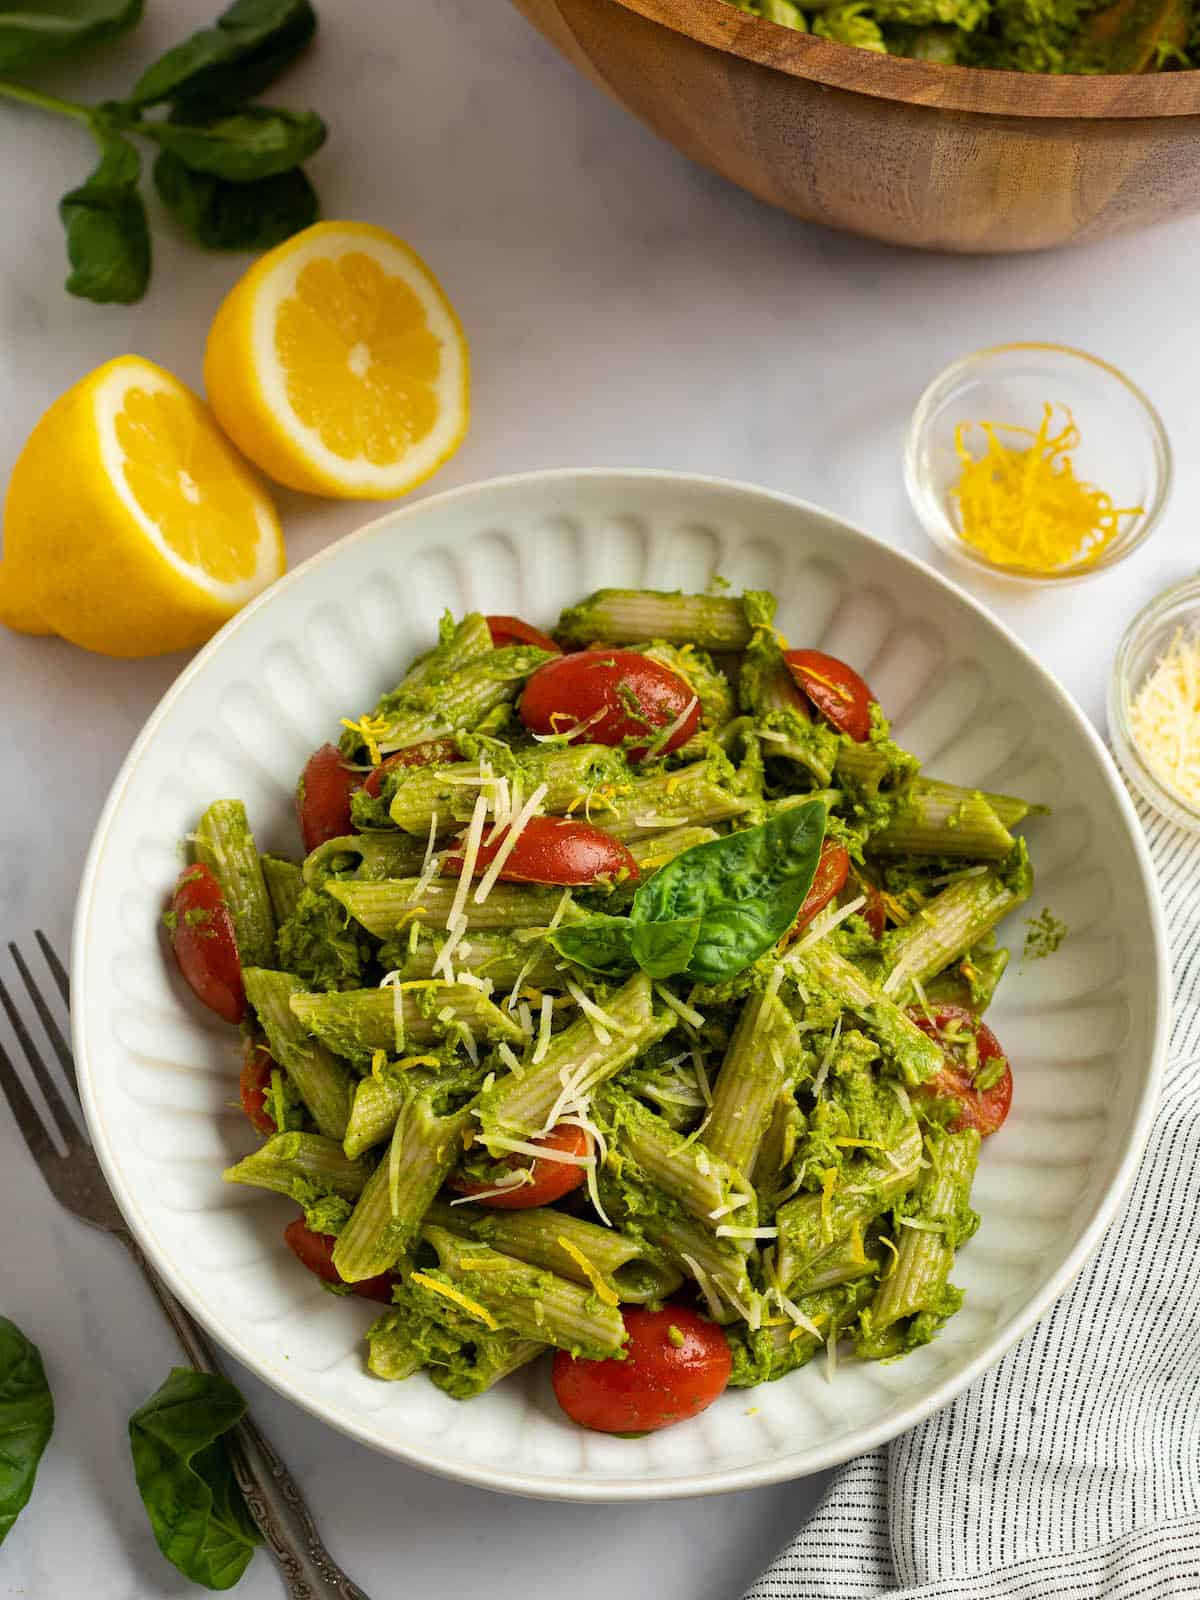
[{"x": 923, "y": 83}]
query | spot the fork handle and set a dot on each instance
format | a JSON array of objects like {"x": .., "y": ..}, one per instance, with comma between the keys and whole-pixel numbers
[{"x": 272, "y": 1495}]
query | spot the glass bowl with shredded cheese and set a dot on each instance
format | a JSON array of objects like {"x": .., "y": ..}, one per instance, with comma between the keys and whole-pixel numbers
[
  {"x": 1154, "y": 703},
  {"x": 1037, "y": 461}
]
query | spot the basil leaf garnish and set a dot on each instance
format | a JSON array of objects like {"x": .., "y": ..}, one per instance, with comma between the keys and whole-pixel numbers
[
  {"x": 26, "y": 1420},
  {"x": 743, "y": 891},
  {"x": 711, "y": 911},
  {"x": 601, "y": 944},
  {"x": 196, "y": 1509}
]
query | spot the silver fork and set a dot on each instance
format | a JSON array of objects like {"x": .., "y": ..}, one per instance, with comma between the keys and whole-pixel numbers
[{"x": 77, "y": 1182}]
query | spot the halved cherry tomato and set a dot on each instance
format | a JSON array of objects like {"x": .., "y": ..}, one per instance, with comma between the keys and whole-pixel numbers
[
  {"x": 551, "y": 1179},
  {"x": 984, "y": 1110},
  {"x": 511, "y": 630},
  {"x": 257, "y": 1067},
  {"x": 417, "y": 755},
  {"x": 833, "y": 868},
  {"x": 675, "y": 1365},
  {"x": 315, "y": 1251},
  {"x": 323, "y": 797},
  {"x": 609, "y": 696},
  {"x": 204, "y": 943},
  {"x": 837, "y": 691},
  {"x": 553, "y": 850}
]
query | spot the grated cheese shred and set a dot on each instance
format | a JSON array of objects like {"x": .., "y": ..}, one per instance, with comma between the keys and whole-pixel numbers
[{"x": 1165, "y": 718}]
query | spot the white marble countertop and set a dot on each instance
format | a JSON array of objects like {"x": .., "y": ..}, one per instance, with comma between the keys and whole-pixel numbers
[{"x": 624, "y": 309}]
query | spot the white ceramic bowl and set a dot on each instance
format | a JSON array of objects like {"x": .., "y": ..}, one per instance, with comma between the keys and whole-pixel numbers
[{"x": 1085, "y": 1028}]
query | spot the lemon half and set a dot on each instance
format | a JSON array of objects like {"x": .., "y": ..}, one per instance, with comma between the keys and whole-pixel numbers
[
  {"x": 131, "y": 526},
  {"x": 337, "y": 364}
]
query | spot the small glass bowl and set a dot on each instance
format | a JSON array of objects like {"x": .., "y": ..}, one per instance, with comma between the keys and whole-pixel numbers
[
  {"x": 1144, "y": 644},
  {"x": 1123, "y": 445}
]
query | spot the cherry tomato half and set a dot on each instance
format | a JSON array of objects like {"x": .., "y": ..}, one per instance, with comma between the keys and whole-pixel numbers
[
  {"x": 553, "y": 850},
  {"x": 323, "y": 797},
  {"x": 874, "y": 913},
  {"x": 676, "y": 1364},
  {"x": 833, "y": 868},
  {"x": 257, "y": 1067},
  {"x": 951, "y": 1027},
  {"x": 837, "y": 691},
  {"x": 608, "y": 696},
  {"x": 315, "y": 1251},
  {"x": 417, "y": 755},
  {"x": 204, "y": 943},
  {"x": 551, "y": 1179},
  {"x": 511, "y": 630}
]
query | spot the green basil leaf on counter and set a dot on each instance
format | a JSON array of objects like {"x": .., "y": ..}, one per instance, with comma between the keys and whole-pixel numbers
[
  {"x": 196, "y": 1510},
  {"x": 108, "y": 238},
  {"x": 26, "y": 1420},
  {"x": 235, "y": 216},
  {"x": 601, "y": 944},
  {"x": 247, "y": 48},
  {"x": 253, "y": 143},
  {"x": 32, "y": 34},
  {"x": 744, "y": 891}
]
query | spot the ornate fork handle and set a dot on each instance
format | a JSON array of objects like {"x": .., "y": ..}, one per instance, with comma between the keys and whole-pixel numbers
[{"x": 271, "y": 1492}]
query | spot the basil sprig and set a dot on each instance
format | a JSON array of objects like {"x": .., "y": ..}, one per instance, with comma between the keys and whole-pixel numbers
[
  {"x": 196, "y": 1509},
  {"x": 229, "y": 170},
  {"x": 26, "y": 1420},
  {"x": 711, "y": 911}
]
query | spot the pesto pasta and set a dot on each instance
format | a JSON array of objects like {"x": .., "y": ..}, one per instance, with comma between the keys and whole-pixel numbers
[{"x": 629, "y": 974}]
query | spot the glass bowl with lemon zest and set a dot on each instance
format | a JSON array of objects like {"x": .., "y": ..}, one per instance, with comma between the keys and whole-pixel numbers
[{"x": 1037, "y": 462}]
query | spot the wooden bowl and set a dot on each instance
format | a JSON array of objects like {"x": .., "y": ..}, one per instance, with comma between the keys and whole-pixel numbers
[{"x": 941, "y": 158}]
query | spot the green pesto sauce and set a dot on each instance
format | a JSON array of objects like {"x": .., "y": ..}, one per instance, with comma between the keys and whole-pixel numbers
[{"x": 1046, "y": 933}]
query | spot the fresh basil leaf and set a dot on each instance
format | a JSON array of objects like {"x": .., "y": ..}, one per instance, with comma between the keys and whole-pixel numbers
[
  {"x": 248, "y": 47},
  {"x": 744, "y": 891},
  {"x": 254, "y": 143},
  {"x": 26, "y": 1420},
  {"x": 196, "y": 1509},
  {"x": 601, "y": 944},
  {"x": 235, "y": 216},
  {"x": 46, "y": 30},
  {"x": 664, "y": 948},
  {"x": 108, "y": 237}
]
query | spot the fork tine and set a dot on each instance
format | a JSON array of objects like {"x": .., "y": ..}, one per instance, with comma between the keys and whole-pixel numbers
[
  {"x": 46, "y": 1083},
  {"x": 41, "y": 1146},
  {"x": 57, "y": 970},
  {"x": 53, "y": 1032}
]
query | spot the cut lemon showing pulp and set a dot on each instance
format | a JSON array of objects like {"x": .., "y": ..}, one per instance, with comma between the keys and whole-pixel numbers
[
  {"x": 131, "y": 526},
  {"x": 338, "y": 365}
]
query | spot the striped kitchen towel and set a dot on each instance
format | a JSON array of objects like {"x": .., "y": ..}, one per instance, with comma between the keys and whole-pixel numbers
[{"x": 1072, "y": 1469}]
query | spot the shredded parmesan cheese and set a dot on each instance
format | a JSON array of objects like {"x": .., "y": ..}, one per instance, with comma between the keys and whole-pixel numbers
[
  {"x": 456, "y": 922},
  {"x": 1165, "y": 718},
  {"x": 544, "y": 1021},
  {"x": 825, "y": 922},
  {"x": 689, "y": 1013},
  {"x": 542, "y": 1152},
  {"x": 522, "y": 1176},
  {"x": 488, "y": 882},
  {"x": 705, "y": 1284},
  {"x": 727, "y": 1231}
]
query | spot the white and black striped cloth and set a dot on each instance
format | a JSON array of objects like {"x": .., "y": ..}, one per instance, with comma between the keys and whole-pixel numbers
[{"x": 1073, "y": 1468}]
